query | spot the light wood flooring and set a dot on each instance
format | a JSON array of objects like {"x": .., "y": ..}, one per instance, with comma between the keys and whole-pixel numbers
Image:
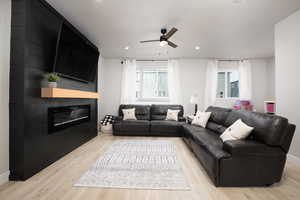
[{"x": 55, "y": 182}]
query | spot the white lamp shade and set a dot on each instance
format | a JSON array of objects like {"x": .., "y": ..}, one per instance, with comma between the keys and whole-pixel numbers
[
  {"x": 194, "y": 99},
  {"x": 163, "y": 43}
]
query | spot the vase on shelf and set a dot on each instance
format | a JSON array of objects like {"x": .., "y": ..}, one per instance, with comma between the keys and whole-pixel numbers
[{"x": 52, "y": 84}]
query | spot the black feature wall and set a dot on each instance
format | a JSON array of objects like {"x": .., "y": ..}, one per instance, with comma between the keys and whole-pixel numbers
[{"x": 34, "y": 32}]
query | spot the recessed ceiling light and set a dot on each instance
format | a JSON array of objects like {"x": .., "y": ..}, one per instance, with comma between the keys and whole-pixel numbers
[
  {"x": 197, "y": 48},
  {"x": 126, "y": 48}
]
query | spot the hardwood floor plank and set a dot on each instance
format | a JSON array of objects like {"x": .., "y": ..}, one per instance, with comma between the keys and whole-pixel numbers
[{"x": 56, "y": 181}]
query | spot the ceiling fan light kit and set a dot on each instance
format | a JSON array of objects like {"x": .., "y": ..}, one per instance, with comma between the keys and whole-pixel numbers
[
  {"x": 163, "y": 43},
  {"x": 164, "y": 38}
]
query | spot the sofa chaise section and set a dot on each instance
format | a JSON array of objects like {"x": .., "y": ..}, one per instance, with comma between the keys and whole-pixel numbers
[{"x": 257, "y": 161}]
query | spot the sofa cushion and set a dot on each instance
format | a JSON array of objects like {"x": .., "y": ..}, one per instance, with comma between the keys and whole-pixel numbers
[
  {"x": 165, "y": 126},
  {"x": 159, "y": 112},
  {"x": 206, "y": 139},
  {"x": 172, "y": 115},
  {"x": 132, "y": 126},
  {"x": 237, "y": 131},
  {"x": 207, "y": 147},
  {"x": 129, "y": 114},
  {"x": 201, "y": 119},
  {"x": 269, "y": 129},
  {"x": 218, "y": 115},
  {"x": 217, "y": 128},
  {"x": 251, "y": 148},
  {"x": 142, "y": 112}
]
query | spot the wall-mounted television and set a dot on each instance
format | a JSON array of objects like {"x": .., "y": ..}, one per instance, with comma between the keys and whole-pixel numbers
[{"x": 75, "y": 57}]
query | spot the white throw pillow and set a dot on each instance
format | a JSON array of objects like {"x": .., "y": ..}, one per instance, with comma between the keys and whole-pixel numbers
[
  {"x": 237, "y": 131},
  {"x": 129, "y": 114},
  {"x": 172, "y": 115},
  {"x": 201, "y": 118}
]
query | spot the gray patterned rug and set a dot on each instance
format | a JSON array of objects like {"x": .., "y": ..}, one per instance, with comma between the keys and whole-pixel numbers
[{"x": 137, "y": 164}]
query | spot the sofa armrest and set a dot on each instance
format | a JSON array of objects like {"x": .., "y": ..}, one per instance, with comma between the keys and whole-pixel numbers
[
  {"x": 250, "y": 147},
  {"x": 118, "y": 119}
]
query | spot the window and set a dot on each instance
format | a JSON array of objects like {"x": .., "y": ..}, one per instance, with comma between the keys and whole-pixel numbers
[
  {"x": 152, "y": 83},
  {"x": 228, "y": 84}
]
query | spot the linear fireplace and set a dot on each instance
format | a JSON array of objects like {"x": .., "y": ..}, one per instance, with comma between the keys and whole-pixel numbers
[{"x": 64, "y": 117}]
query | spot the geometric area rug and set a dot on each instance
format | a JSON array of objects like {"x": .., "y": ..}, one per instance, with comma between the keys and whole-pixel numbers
[{"x": 137, "y": 164}]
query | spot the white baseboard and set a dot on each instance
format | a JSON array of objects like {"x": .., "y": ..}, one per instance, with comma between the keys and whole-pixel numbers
[
  {"x": 4, "y": 177},
  {"x": 293, "y": 159}
]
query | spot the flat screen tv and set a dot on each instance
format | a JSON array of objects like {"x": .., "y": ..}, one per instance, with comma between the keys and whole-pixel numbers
[{"x": 75, "y": 57}]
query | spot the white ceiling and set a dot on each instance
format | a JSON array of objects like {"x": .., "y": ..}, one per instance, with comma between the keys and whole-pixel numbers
[{"x": 222, "y": 28}]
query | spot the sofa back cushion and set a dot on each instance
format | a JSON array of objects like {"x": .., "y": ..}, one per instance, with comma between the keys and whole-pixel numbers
[
  {"x": 218, "y": 115},
  {"x": 269, "y": 129},
  {"x": 159, "y": 112},
  {"x": 217, "y": 128},
  {"x": 142, "y": 112}
]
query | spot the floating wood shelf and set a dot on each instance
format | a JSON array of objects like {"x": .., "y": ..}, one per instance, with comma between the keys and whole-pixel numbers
[{"x": 66, "y": 93}]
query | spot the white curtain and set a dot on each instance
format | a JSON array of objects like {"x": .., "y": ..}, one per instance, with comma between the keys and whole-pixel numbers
[
  {"x": 174, "y": 82},
  {"x": 128, "y": 92},
  {"x": 211, "y": 83},
  {"x": 245, "y": 80}
]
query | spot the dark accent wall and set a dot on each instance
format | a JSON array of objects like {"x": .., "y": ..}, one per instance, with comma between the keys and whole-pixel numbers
[{"x": 34, "y": 32}]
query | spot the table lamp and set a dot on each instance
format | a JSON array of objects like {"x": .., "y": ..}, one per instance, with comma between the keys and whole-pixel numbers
[{"x": 194, "y": 100}]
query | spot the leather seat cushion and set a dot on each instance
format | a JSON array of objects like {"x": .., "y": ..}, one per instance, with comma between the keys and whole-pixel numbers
[
  {"x": 165, "y": 126},
  {"x": 207, "y": 139},
  {"x": 132, "y": 126},
  {"x": 251, "y": 148},
  {"x": 208, "y": 148}
]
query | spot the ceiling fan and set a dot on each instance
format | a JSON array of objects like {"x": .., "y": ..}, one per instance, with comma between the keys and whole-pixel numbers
[{"x": 164, "y": 38}]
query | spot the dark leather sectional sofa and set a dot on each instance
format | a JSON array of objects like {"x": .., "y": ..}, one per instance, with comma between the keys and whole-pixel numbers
[{"x": 257, "y": 161}]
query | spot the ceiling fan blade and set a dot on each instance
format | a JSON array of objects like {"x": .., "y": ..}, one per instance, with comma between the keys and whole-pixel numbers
[
  {"x": 149, "y": 41},
  {"x": 170, "y": 33},
  {"x": 172, "y": 44}
]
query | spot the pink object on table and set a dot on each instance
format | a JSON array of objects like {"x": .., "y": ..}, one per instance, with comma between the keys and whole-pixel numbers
[
  {"x": 270, "y": 107},
  {"x": 243, "y": 105}
]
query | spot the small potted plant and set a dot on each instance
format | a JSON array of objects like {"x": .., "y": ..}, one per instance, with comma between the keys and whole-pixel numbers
[{"x": 52, "y": 80}]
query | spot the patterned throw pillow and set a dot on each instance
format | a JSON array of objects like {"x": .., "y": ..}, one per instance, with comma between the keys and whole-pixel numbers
[
  {"x": 237, "y": 131},
  {"x": 129, "y": 114},
  {"x": 201, "y": 119},
  {"x": 108, "y": 119},
  {"x": 172, "y": 115}
]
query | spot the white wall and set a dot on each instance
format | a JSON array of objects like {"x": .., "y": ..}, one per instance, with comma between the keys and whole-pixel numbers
[
  {"x": 262, "y": 82},
  {"x": 5, "y": 16},
  {"x": 287, "y": 51},
  {"x": 192, "y": 77},
  {"x": 271, "y": 78},
  {"x": 100, "y": 86},
  {"x": 110, "y": 91}
]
